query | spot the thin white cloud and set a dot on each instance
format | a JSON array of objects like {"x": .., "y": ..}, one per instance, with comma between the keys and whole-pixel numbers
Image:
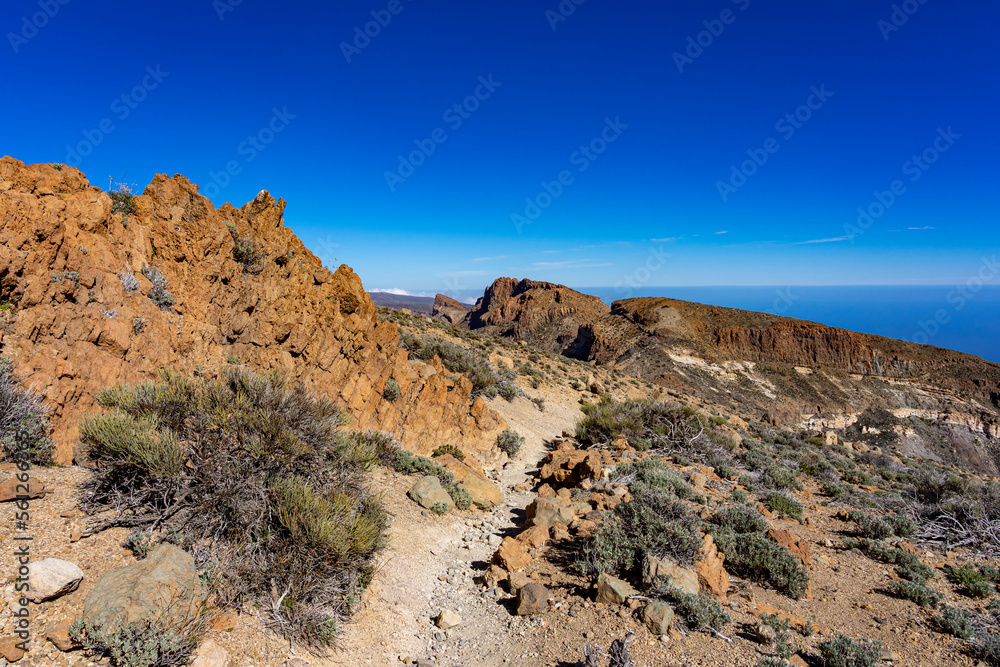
[
  {"x": 399, "y": 292},
  {"x": 670, "y": 239},
  {"x": 550, "y": 252},
  {"x": 489, "y": 259},
  {"x": 836, "y": 239},
  {"x": 919, "y": 229},
  {"x": 571, "y": 264},
  {"x": 717, "y": 233}
]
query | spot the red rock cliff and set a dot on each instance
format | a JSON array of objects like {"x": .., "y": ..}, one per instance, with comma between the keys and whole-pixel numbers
[{"x": 74, "y": 328}]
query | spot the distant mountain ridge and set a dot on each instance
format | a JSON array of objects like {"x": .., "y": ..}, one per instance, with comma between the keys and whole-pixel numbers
[{"x": 783, "y": 369}]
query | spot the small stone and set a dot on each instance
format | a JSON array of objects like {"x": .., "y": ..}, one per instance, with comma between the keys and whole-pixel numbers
[
  {"x": 613, "y": 591},
  {"x": 51, "y": 578},
  {"x": 58, "y": 634},
  {"x": 9, "y": 649},
  {"x": 11, "y": 489},
  {"x": 210, "y": 654},
  {"x": 658, "y": 617},
  {"x": 428, "y": 492},
  {"x": 448, "y": 619},
  {"x": 75, "y": 535},
  {"x": 765, "y": 635},
  {"x": 797, "y": 661},
  {"x": 532, "y": 599}
]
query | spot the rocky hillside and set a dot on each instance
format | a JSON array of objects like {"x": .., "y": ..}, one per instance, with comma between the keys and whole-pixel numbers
[
  {"x": 96, "y": 292},
  {"x": 552, "y": 317},
  {"x": 944, "y": 404}
]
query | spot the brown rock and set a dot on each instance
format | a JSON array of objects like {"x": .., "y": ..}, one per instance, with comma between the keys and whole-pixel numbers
[
  {"x": 658, "y": 617},
  {"x": 449, "y": 310},
  {"x": 585, "y": 528},
  {"x": 546, "y": 491},
  {"x": 318, "y": 327},
  {"x": 11, "y": 489},
  {"x": 58, "y": 634},
  {"x": 796, "y": 546},
  {"x": 764, "y": 511},
  {"x": 548, "y": 512},
  {"x": 612, "y": 590},
  {"x": 224, "y": 621},
  {"x": 494, "y": 576},
  {"x": 534, "y": 537},
  {"x": 517, "y": 581},
  {"x": 485, "y": 494},
  {"x": 797, "y": 661},
  {"x": 532, "y": 599},
  {"x": 711, "y": 574},
  {"x": 909, "y": 548},
  {"x": 680, "y": 577},
  {"x": 462, "y": 470},
  {"x": 9, "y": 649},
  {"x": 560, "y": 532},
  {"x": 511, "y": 555}
]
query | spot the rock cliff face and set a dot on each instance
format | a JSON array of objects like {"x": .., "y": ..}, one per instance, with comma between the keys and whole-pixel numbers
[
  {"x": 74, "y": 328},
  {"x": 551, "y": 316},
  {"x": 449, "y": 310}
]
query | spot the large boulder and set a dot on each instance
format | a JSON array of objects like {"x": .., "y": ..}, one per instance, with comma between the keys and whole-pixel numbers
[
  {"x": 428, "y": 492},
  {"x": 52, "y": 578},
  {"x": 164, "y": 590}
]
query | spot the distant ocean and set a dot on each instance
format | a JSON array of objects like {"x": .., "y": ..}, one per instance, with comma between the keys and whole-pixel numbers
[{"x": 957, "y": 318}]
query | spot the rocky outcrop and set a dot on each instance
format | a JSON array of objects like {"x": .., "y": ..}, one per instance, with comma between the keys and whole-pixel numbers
[
  {"x": 76, "y": 327},
  {"x": 553, "y": 317},
  {"x": 449, "y": 310}
]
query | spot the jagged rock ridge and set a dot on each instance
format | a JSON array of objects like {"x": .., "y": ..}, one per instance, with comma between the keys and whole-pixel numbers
[{"x": 74, "y": 328}]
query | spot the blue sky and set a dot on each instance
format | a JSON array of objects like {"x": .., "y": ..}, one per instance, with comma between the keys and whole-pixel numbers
[{"x": 644, "y": 141}]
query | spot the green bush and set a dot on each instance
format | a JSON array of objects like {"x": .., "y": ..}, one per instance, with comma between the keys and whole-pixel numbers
[
  {"x": 698, "y": 610},
  {"x": 741, "y": 519},
  {"x": 141, "y": 644},
  {"x": 980, "y": 589},
  {"x": 842, "y": 651},
  {"x": 955, "y": 622},
  {"x": 449, "y": 449},
  {"x": 24, "y": 420},
  {"x": 777, "y": 476},
  {"x": 245, "y": 466},
  {"x": 654, "y": 522},
  {"x": 651, "y": 425},
  {"x": 510, "y": 441},
  {"x": 781, "y": 504},
  {"x": 963, "y": 575},
  {"x": 753, "y": 556},
  {"x": 783, "y": 644},
  {"x": 835, "y": 491},
  {"x": 910, "y": 566},
  {"x": 654, "y": 474},
  {"x": 486, "y": 379},
  {"x": 391, "y": 391},
  {"x": 915, "y": 592},
  {"x": 122, "y": 199}
]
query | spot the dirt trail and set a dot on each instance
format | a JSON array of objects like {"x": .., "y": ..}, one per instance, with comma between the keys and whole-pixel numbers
[{"x": 432, "y": 562}]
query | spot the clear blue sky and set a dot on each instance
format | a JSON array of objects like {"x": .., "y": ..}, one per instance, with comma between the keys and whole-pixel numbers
[{"x": 220, "y": 75}]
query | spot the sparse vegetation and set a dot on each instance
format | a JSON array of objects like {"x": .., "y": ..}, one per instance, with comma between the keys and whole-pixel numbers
[
  {"x": 24, "y": 419},
  {"x": 781, "y": 504},
  {"x": 159, "y": 295},
  {"x": 486, "y": 379},
  {"x": 449, "y": 449},
  {"x": 699, "y": 610},
  {"x": 915, "y": 592},
  {"x": 842, "y": 651},
  {"x": 246, "y": 251},
  {"x": 122, "y": 199},
  {"x": 143, "y": 644},
  {"x": 510, "y": 442},
  {"x": 250, "y": 466},
  {"x": 955, "y": 622},
  {"x": 391, "y": 391}
]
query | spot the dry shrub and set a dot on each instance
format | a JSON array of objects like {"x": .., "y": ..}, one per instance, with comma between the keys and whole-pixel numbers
[
  {"x": 253, "y": 477},
  {"x": 24, "y": 419}
]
